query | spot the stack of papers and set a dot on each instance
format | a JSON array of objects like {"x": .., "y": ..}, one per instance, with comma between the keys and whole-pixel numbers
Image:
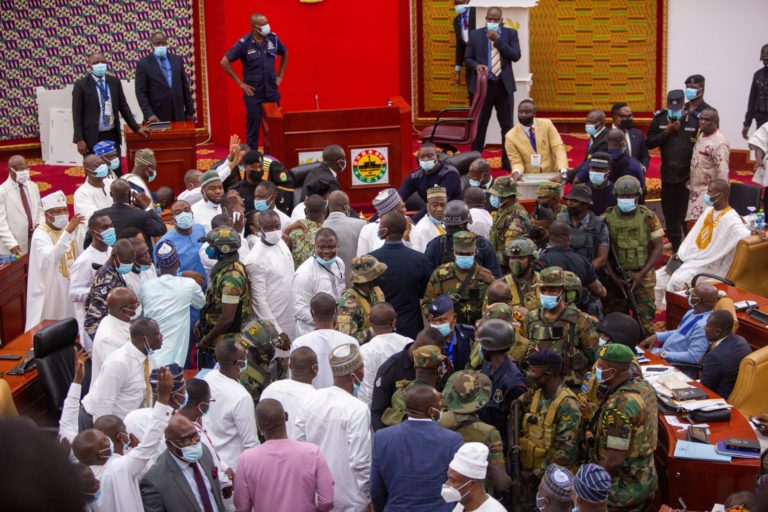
[
  {"x": 740, "y": 454},
  {"x": 698, "y": 451}
]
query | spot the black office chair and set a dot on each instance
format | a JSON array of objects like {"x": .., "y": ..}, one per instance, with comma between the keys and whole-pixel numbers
[
  {"x": 462, "y": 161},
  {"x": 299, "y": 174},
  {"x": 55, "y": 355},
  {"x": 743, "y": 196},
  {"x": 414, "y": 203}
]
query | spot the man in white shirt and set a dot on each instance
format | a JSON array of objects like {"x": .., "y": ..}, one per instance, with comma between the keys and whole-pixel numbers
[
  {"x": 51, "y": 255},
  {"x": 143, "y": 271},
  {"x": 481, "y": 219},
  {"x": 168, "y": 300},
  {"x": 385, "y": 201},
  {"x": 431, "y": 225},
  {"x": 322, "y": 273},
  {"x": 114, "y": 331},
  {"x": 144, "y": 172},
  {"x": 466, "y": 480},
  {"x": 340, "y": 424},
  {"x": 293, "y": 392},
  {"x": 210, "y": 205},
  {"x": 193, "y": 194},
  {"x": 20, "y": 208},
  {"x": 347, "y": 228},
  {"x": 94, "y": 193},
  {"x": 265, "y": 198},
  {"x": 324, "y": 338},
  {"x": 231, "y": 420},
  {"x": 119, "y": 474},
  {"x": 123, "y": 383},
  {"x": 382, "y": 346},
  {"x": 270, "y": 272}
]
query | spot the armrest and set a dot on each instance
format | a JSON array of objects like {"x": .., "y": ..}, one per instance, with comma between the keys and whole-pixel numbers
[
  {"x": 450, "y": 109},
  {"x": 450, "y": 119}
]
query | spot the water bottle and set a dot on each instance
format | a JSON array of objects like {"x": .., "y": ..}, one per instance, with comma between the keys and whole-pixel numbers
[
  {"x": 8, "y": 258},
  {"x": 751, "y": 218},
  {"x": 761, "y": 220}
]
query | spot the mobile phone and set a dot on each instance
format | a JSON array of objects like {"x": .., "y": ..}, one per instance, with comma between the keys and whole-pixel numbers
[{"x": 9, "y": 357}]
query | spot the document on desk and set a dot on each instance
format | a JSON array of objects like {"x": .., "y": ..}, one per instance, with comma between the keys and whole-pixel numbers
[{"x": 698, "y": 451}]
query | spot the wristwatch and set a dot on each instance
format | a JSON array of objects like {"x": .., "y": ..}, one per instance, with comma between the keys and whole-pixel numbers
[
  {"x": 664, "y": 354},
  {"x": 564, "y": 173}
]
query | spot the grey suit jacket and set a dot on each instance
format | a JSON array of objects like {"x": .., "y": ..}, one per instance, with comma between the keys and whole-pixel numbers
[
  {"x": 165, "y": 489},
  {"x": 347, "y": 231}
]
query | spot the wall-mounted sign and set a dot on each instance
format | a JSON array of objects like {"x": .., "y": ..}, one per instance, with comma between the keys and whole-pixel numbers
[{"x": 370, "y": 166}]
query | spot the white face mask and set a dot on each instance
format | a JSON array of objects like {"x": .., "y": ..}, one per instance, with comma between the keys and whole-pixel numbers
[
  {"x": 22, "y": 176},
  {"x": 273, "y": 237},
  {"x": 59, "y": 221},
  {"x": 136, "y": 314},
  {"x": 452, "y": 494}
]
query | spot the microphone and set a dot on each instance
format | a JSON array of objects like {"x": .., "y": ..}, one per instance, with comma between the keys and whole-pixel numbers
[{"x": 317, "y": 101}]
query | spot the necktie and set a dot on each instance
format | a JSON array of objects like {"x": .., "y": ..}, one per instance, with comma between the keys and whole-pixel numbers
[
  {"x": 27, "y": 210},
  {"x": 201, "y": 488},
  {"x": 103, "y": 99},
  {"x": 465, "y": 20},
  {"x": 532, "y": 138},
  {"x": 495, "y": 61},
  {"x": 146, "y": 382},
  {"x": 166, "y": 69}
]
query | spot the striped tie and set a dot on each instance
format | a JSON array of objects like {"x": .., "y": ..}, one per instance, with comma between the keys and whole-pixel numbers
[
  {"x": 103, "y": 96},
  {"x": 495, "y": 61}
]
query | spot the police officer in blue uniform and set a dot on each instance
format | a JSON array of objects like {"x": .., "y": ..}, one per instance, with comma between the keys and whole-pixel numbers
[
  {"x": 458, "y": 337},
  {"x": 257, "y": 51}
]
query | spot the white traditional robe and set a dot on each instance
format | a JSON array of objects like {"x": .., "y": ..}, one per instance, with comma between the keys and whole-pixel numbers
[
  {"x": 369, "y": 239},
  {"x": 135, "y": 280},
  {"x": 51, "y": 256},
  {"x": 310, "y": 279},
  {"x": 715, "y": 258},
  {"x": 374, "y": 354},
  {"x": 86, "y": 201},
  {"x": 204, "y": 213},
  {"x": 424, "y": 232},
  {"x": 80, "y": 277}
]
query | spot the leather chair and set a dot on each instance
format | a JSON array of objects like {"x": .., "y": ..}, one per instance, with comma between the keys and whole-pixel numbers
[
  {"x": 748, "y": 267},
  {"x": 743, "y": 195},
  {"x": 55, "y": 355},
  {"x": 446, "y": 133},
  {"x": 462, "y": 161},
  {"x": 299, "y": 174},
  {"x": 414, "y": 203},
  {"x": 748, "y": 395}
]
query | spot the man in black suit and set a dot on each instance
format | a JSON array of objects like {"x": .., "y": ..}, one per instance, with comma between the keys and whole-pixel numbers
[
  {"x": 334, "y": 162},
  {"x": 168, "y": 485},
  {"x": 464, "y": 22},
  {"x": 98, "y": 102},
  {"x": 598, "y": 136},
  {"x": 492, "y": 50},
  {"x": 162, "y": 86},
  {"x": 721, "y": 364},
  {"x": 622, "y": 120}
]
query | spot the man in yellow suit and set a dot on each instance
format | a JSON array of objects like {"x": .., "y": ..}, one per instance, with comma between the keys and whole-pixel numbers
[{"x": 534, "y": 145}]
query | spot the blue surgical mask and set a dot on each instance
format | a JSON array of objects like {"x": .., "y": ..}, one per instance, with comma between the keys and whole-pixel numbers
[
  {"x": 626, "y": 205},
  {"x": 427, "y": 165},
  {"x": 591, "y": 129},
  {"x": 355, "y": 385},
  {"x": 549, "y": 301},
  {"x": 474, "y": 183},
  {"x": 691, "y": 93},
  {"x": 445, "y": 329},
  {"x": 109, "y": 236},
  {"x": 465, "y": 262},
  {"x": 707, "y": 199},
  {"x": 265, "y": 29},
  {"x": 96, "y": 496},
  {"x": 597, "y": 178},
  {"x": 601, "y": 342},
  {"x": 101, "y": 171},
  {"x": 439, "y": 415},
  {"x": 212, "y": 253},
  {"x": 183, "y": 402},
  {"x": 434, "y": 221},
  {"x": 460, "y": 9},
  {"x": 152, "y": 175},
  {"x": 99, "y": 69},
  {"x": 325, "y": 263},
  {"x": 184, "y": 220},
  {"x": 144, "y": 268},
  {"x": 260, "y": 205},
  {"x": 492, "y": 26},
  {"x": 160, "y": 51},
  {"x": 495, "y": 201},
  {"x": 192, "y": 453},
  {"x": 693, "y": 301},
  {"x": 124, "y": 268},
  {"x": 150, "y": 350},
  {"x": 599, "y": 374},
  {"x": 575, "y": 509},
  {"x": 114, "y": 163},
  {"x": 674, "y": 115}
]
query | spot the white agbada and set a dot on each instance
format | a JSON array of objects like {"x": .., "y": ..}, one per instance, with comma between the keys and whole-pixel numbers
[
  {"x": 374, "y": 353},
  {"x": 270, "y": 272},
  {"x": 135, "y": 280},
  {"x": 80, "y": 276},
  {"x": 204, "y": 213},
  {"x": 424, "y": 232},
  {"x": 87, "y": 200},
  {"x": 292, "y": 394},
  {"x": 481, "y": 222},
  {"x": 323, "y": 342},
  {"x": 715, "y": 258},
  {"x": 310, "y": 279},
  {"x": 340, "y": 425},
  {"x": 111, "y": 334},
  {"x": 369, "y": 239},
  {"x": 51, "y": 255}
]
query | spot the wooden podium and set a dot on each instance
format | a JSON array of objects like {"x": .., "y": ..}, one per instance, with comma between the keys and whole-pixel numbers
[
  {"x": 174, "y": 150},
  {"x": 13, "y": 298},
  {"x": 376, "y": 141}
]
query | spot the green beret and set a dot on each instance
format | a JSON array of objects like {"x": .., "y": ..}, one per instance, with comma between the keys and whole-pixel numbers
[{"x": 616, "y": 353}]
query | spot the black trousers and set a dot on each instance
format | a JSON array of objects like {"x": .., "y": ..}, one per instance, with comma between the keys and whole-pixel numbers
[
  {"x": 674, "y": 205},
  {"x": 498, "y": 98},
  {"x": 253, "y": 114}
]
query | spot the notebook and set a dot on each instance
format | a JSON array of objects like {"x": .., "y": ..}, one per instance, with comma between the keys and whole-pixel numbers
[{"x": 699, "y": 451}]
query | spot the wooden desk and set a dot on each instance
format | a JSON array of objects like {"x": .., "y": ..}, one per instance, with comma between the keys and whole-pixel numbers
[
  {"x": 13, "y": 298},
  {"x": 753, "y": 331},
  {"x": 28, "y": 393},
  {"x": 700, "y": 483}
]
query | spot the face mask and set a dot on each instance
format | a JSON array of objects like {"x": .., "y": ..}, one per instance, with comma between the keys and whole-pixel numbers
[
  {"x": 549, "y": 301},
  {"x": 192, "y": 453},
  {"x": 474, "y": 183},
  {"x": 492, "y": 26},
  {"x": 150, "y": 350},
  {"x": 99, "y": 69},
  {"x": 674, "y": 115},
  {"x": 495, "y": 201},
  {"x": 160, "y": 51},
  {"x": 101, "y": 171},
  {"x": 272, "y": 237},
  {"x": 597, "y": 178},
  {"x": 601, "y": 342},
  {"x": 525, "y": 121},
  {"x": 265, "y": 30},
  {"x": 59, "y": 221},
  {"x": 517, "y": 268},
  {"x": 439, "y": 415},
  {"x": 203, "y": 412},
  {"x": 355, "y": 386},
  {"x": 536, "y": 233},
  {"x": 260, "y": 205},
  {"x": 591, "y": 129},
  {"x": 693, "y": 301},
  {"x": 342, "y": 165},
  {"x": 152, "y": 175},
  {"x": 445, "y": 329},
  {"x": 434, "y": 221},
  {"x": 109, "y": 236},
  {"x": 184, "y": 220},
  {"x": 691, "y": 93},
  {"x": 111, "y": 450},
  {"x": 325, "y": 263},
  {"x": 22, "y": 176},
  {"x": 144, "y": 268},
  {"x": 708, "y": 199},
  {"x": 96, "y": 496},
  {"x": 427, "y": 165},
  {"x": 626, "y": 205},
  {"x": 460, "y": 9},
  {"x": 575, "y": 509},
  {"x": 136, "y": 313},
  {"x": 541, "y": 503},
  {"x": 465, "y": 262},
  {"x": 184, "y": 401},
  {"x": 532, "y": 383},
  {"x": 626, "y": 124},
  {"x": 212, "y": 253},
  {"x": 126, "y": 443},
  {"x": 381, "y": 235},
  {"x": 114, "y": 164},
  {"x": 573, "y": 210},
  {"x": 600, "y": 377},
  {"x": 452, "y": 494},
  {"x": 124, "y": 268}
]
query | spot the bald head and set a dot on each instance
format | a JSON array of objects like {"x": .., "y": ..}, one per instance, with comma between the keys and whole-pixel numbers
[
  {"x": 121, "y": 191},
  {"x": 499, "y": 291},
  {"x": 338, "y": 201},
  {"x": 720, "y": 193},
  {"x": 615, "y": 138},
  {"x": 332, "y": 153},
  {"x": 91, "y": 162},
  {"x": 559, "y": 233},
  {"x": 17, "y": 162},
  {"x": 419, "y": 399},
  {"x": 323, "y": 306},
  {"x": 474, "y": 197},
  {"x": 124, "y": 251},
  {"x": 270, "y": 415},
  {"x": 302, "y": 360},
  {"x": 88, "y": 444},
  {"x": 382, "y": 314},
  {"x": 110, "y": 424},
  {"x": 394, "y": 222},
  {"x": 118, "y": 298},
  {"x": 428, "y": 336},
  {"x": 179, "y": 427},
  {"x": 708, "y": 295}
]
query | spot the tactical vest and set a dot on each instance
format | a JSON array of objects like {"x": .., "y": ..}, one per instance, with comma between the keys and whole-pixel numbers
[
  {"x": 376, "y": 297},
  {"x": 539, "y": 429},
  {"x": 561, "y": 337},
  {"x": 255, "y": 381},
  {"x": 213, "y": 303},
  {"x": 518, "y": 299},
  {"x": 583, "y": 237},
  {"x": 629, "y": 236},
  {"x": 468, "y": 304}
]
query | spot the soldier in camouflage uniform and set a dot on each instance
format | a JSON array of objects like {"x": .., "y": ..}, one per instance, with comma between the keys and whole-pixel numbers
[
  {"x": 259, "y": 339},
  {"x": 548, "y": 196},
  {"x": 464, "y": 280},
  {"x": 573, "y": 288},
  {"x": 522, "y": 279},
  {"x": 563, "y": 328},
  {"x": 428, "y": 364},
  {"x": 510, "y": 219},
  {"x": 637, "y": 239},
  {"x": 356, "y": 302},
  {"x": 465, "y": 393},
  {"x": 550, "y": 422},
  {"x": 622, "y": 434},
  {"x": 515, "y": 317},
  {"x": 227, "y": 299}
]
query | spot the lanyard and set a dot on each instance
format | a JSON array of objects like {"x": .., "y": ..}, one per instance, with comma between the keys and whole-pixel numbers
[{"x": 531, "y": 137}]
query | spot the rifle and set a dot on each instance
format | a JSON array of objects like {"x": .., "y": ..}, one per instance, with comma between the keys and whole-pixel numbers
[
  {"x": 626, "y": 288},
  {"x": 513, "y": 461}
]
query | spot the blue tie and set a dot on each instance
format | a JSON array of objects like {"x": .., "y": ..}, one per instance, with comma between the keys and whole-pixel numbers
[
  {"x": 103, "y": 97},
  {"x": 167, "y": 69}
]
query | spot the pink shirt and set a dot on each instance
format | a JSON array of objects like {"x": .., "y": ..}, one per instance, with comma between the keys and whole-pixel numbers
[{"x": 283, "y": 475}]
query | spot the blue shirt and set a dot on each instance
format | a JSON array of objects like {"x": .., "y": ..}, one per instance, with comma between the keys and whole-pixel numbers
[
  {"x": 687, "y": 343},
  {"x": 103, "y": 127},
  {"x": 188, "y": 248},
  {"x": 258, "y": 61},
  {"x": 165, "y": 65},
  {"x": 491, "y": 76}
]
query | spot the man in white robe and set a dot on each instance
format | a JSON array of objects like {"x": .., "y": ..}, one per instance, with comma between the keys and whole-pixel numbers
[
  {"x": 431, "y": 225},
  {"x": 114, "y": 329},
  {"x": 293, "y": 392},
  {"x": 51, "y": 255},
  {"x": 382, "y": 346},
  {"x": 709, "y": 245},
  {"x": 482, "y": 221},
  {"x": 94, "y": 194}
]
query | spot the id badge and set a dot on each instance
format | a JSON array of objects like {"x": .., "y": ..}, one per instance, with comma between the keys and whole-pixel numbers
[
  {"x": 108, "y": 108},
  {"x": 535, "y": 160}
]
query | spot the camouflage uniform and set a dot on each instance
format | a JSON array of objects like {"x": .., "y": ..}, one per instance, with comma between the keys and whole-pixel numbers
[
  {"x": 545, "y": 189},
  {"x": 258, "y": 340},
  {"x": 525, "y": 291},
  {"x": 516, "y": 317},
  {"x": 355, "y": 306},
  {"x": 449, "y": 278},
  {"x": 426, "y": 357},
  {"x": 511, "y": 221},
  {"x": 573, "y": 288},
  {"x": 303, "y": 241}
]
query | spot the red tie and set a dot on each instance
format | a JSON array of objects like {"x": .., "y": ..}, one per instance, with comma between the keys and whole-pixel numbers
[
  {"x": 25, "y": 202},
  {"x": 202, "y": 488}
]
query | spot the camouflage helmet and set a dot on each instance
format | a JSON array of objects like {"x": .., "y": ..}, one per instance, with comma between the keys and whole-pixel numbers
[
  {"x": 366, "y": 268},
  {"x": 466, "y": 391},
  {"x": 495, "y": 335},
  {"x": 520, "y": 247},
  {"x": 258, "y": 338},
  {"x": 551, "y": 276},
  {"x": 224, "y": 238},
  {"x": 500, "y": 310},
  {"x": 428, "y": 356},
  {"x": 546, "y": 188},
  {"x": 572, "y": 287},
  {"x": 504, "y": 186},
  {"x": 626, "y": 186},
  {"x": 456, "y": 213}
]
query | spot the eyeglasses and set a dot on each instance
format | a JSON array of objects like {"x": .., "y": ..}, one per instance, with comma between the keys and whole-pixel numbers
[{"x": 186, "y": 441}]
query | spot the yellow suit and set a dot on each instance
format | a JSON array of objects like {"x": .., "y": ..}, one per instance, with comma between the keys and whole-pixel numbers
[{"x": 548, "y": 143}]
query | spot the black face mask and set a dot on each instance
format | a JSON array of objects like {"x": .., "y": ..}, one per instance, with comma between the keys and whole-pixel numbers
[
  {"x": 573, "y": 210},
  {"x": 626, "y": 124},
  {"x": 536, "y": 233},
  {"x": 254, "y": 175},
  {"x": 525, "y": 121}
]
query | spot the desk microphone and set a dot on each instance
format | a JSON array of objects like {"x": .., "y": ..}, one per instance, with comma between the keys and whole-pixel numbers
[{"x": 317, "y": 101}]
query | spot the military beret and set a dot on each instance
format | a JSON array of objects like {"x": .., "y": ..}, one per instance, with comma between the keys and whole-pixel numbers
[
  {"x": 464, "y": 241},
  {"x": 544, "y": 357},
  {"x": 428, "y": 356},
  {"x": 440, "y": 305},
  {"x": 616, "y": 353}
]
